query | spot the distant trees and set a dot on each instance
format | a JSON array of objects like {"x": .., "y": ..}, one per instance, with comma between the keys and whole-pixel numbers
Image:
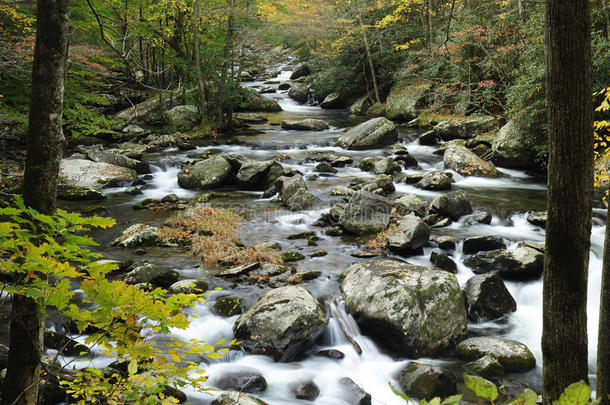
[{"x": 570, "y": 188}]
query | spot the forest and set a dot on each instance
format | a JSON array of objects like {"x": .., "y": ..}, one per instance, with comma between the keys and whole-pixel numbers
[{"x": 350, "y": 202}]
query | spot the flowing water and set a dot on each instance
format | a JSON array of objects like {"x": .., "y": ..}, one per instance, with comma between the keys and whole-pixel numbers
[{"x": 508, "y": 199}]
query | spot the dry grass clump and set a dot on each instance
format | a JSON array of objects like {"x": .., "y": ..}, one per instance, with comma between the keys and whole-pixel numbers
[
  {"x": 213, "y": 236},
  {"x": 380, "y": 240}
]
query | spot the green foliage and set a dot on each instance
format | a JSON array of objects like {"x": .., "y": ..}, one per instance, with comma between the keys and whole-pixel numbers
[
  {"x": 576, "y": 394},
  {"x": 45, "y": 256},
  {"x": 481, "y": 387},
  {"x": 527, "y": 397}
]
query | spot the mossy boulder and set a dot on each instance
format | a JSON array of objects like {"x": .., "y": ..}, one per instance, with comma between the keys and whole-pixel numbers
[
  {"x": 138, "y": 235},
  {"x": 515, "y": 357},
  {"x": 228, "y": 306},
  {"x": 410, "y": 203},
  {"x": 465, "y": 127},
  {"x": 207, "y": 174},
  {"x": 98, "y": 154},
  {"x": 435, "y": 181},
  {"x": 374, "y": 133},
  {"x": 282, "y": 324},
  {"x": 183, "y": 117},
  {"x": 453, "y": 205},
  {"x": 309, "y": 124},
  {"x": 511, "y": 148},
  {"x": 299, "y": 92},
  {"x": 411, "y": 233},
  {"x": 426, "y": 381},
  {"x": 255, "y": 102},
  {"x": 405, "y": 99},
  {"x": 85, "y": 173},
  {"x": 414, "y": 310},
  {"x": 466, "y": 163},
  {"x": 524, "y": 262},
  {"x": 366, "y": 213},
  {"x": 379, "y": 166},
  {"x": 80, "y": 194}
]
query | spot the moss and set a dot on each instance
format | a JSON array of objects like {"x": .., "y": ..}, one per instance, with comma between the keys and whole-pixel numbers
[
  {"x": 292, "y": 256},
  {"x": 229, "y": 306}
]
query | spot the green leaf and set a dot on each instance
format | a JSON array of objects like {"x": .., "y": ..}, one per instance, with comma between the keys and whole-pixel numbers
[
  {"x": 528, "y": 397},
  {"x": 481, "y": 387},
  {"x": 132, "y": 367},
  {"x": 453, "y": 400},
  {"x": 576, "y": 394},
  {"x": 399, "y": 393}
]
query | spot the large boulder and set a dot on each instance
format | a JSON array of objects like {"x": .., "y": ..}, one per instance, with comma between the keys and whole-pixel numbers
[
  {"x": 299, "y": 92},
  {"x": 332, "y": 101},
  {"x": 281, "y": 324},
  {"x": 465, "y": 128},
  {"x": 415, "y": 310},
  {"x": 410, "y": 234},
  {"x": 525, "y": 262},
  {"x": 98, "y": 154},
  {"x": 309, "y": 124},
  {"x": 515, "y": 357},
  {"x": 85, "y": 173},
  {"x": 255, "y": 102},
  {"x": 435, "y": 181},
  {"x": 361, "y": 105},
  {"x": 426, "y": 381},
  {"x": 253, "y": 174},
  {"x": 207, "y": 174},
  {"x": 466, "y": 163},
  {"x": 302, "y": 70},
  {"x": 366, "y": 213},
  {"x": 453, "y": 205},
  {"x": 138, "y": 235},
  {"x": 511, "y": 149},
  {"x": 183, "y": 117},
  {"x": 157, "y": 275},
  {"x": 405, "y": 99},
  {"x": 488, "y": 298},
  {"x": 374, "y": 133},
  {"x": 295, "y": 195}
]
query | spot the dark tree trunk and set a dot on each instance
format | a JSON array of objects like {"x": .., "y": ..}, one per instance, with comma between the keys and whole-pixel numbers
[
  {"x": 44, "y": 151},
  {"x": 603, "y": 342},
  {"x": 570, "y": 187}
]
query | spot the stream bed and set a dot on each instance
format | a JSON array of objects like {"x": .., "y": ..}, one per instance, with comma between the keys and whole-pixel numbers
[{"x": 508, "y": 199}]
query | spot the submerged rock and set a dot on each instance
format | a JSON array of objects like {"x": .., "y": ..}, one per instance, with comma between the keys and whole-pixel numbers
[
  {"x": 374, "y": 133},
  {"x": 366, "y": 213},
  {"x": 281, "y": 324},
  {"x": 515, "y": 357},
  {"x": 415, "y": 310}
]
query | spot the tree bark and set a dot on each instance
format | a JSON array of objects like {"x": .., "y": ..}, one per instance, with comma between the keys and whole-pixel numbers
[
  {"x": 370, "y": 59},
  {"x": 603, "y": 343},
  {"x": 200, "y": 82},
  {"x": 45, "y": 142},
  {"x": 570, "y": 187}
]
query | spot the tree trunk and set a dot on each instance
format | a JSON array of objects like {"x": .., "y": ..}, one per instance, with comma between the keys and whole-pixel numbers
[
  {"x": 200, "y": 82},
  {"x": 603, "y": 342},
  {"x": 370, "y": 59},
  {"x": 570, "y": 187},
  {"x": 45, "y": 142}
]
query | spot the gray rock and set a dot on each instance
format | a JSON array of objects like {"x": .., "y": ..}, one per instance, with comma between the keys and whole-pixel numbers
[
  {"x": 405, "y": 99},
  {"x": 254, "y": 174},
  {"x": 379, "y": 166},
  {"x": 366, "y": 213},
  {"x": 133, "y": 130},
  {"x": 376, "y": 110},
  {"x": 302, "y": 70},
  {"x": 453, "y": 205},
  {"x": 435, "y": 181},
  {"x": 415, "y": 310},
  {"x": 465, "y": 128},
  {"x": 382, "y": 184},
  {"x": 538, "y": 218},
  {"x": 237, "y": 398},
  {"x": 157, "y": 275},
  {"x": 374, "y": 133},
  {"x": 426, "y": 381},
  {"x": 443, "y": 261},
  {"x": 410, "y": 234},
  {"x": 511, "y": 149},
  {"x": 189, "y": 286},
  {"x": 428, "y": 138},
  {"x": 281, "y": 324},
  {"x": 85, "y": 173},
  {"x": 302, "y": 200},
  {"x": 354, "y": 394},
  {"x": 271, "y": 245},
  {"x": 466, "y": 163},
  {"x": 299, "y": 92},
  {"x": 325, "y": 167},
  {"x": 522, "y": 263},
  {"x": 446, "y": 242},
  {"x": 245, "y": 380},
  {"x": 410, "y": 204},
  {"x": 481, "y": 217},
  {"x": 488, "y": 298},
  {"x": 238, "y": 271},
  {"x": 183, "y": 117},
  {"x": 98, "y": 154},
  {"x": 486, "y": 366},
  {"x": 332, "y": 101},
  {"x": 309, "y": 124},
  {"x": 342, "y": 191},
  {"x": 361, "y": 105},
  {"x": 307, "y": 391},
  {"x": 477, "y": 244},
  {"x": 255, "y": 102},
  {"x": 80, "y": 194},
  {"x": 515, "y": 357},
  {"x": 138, "y": 235},
  {"x": 291, "y": 185},
  {"x": 204, "y": 175}
]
